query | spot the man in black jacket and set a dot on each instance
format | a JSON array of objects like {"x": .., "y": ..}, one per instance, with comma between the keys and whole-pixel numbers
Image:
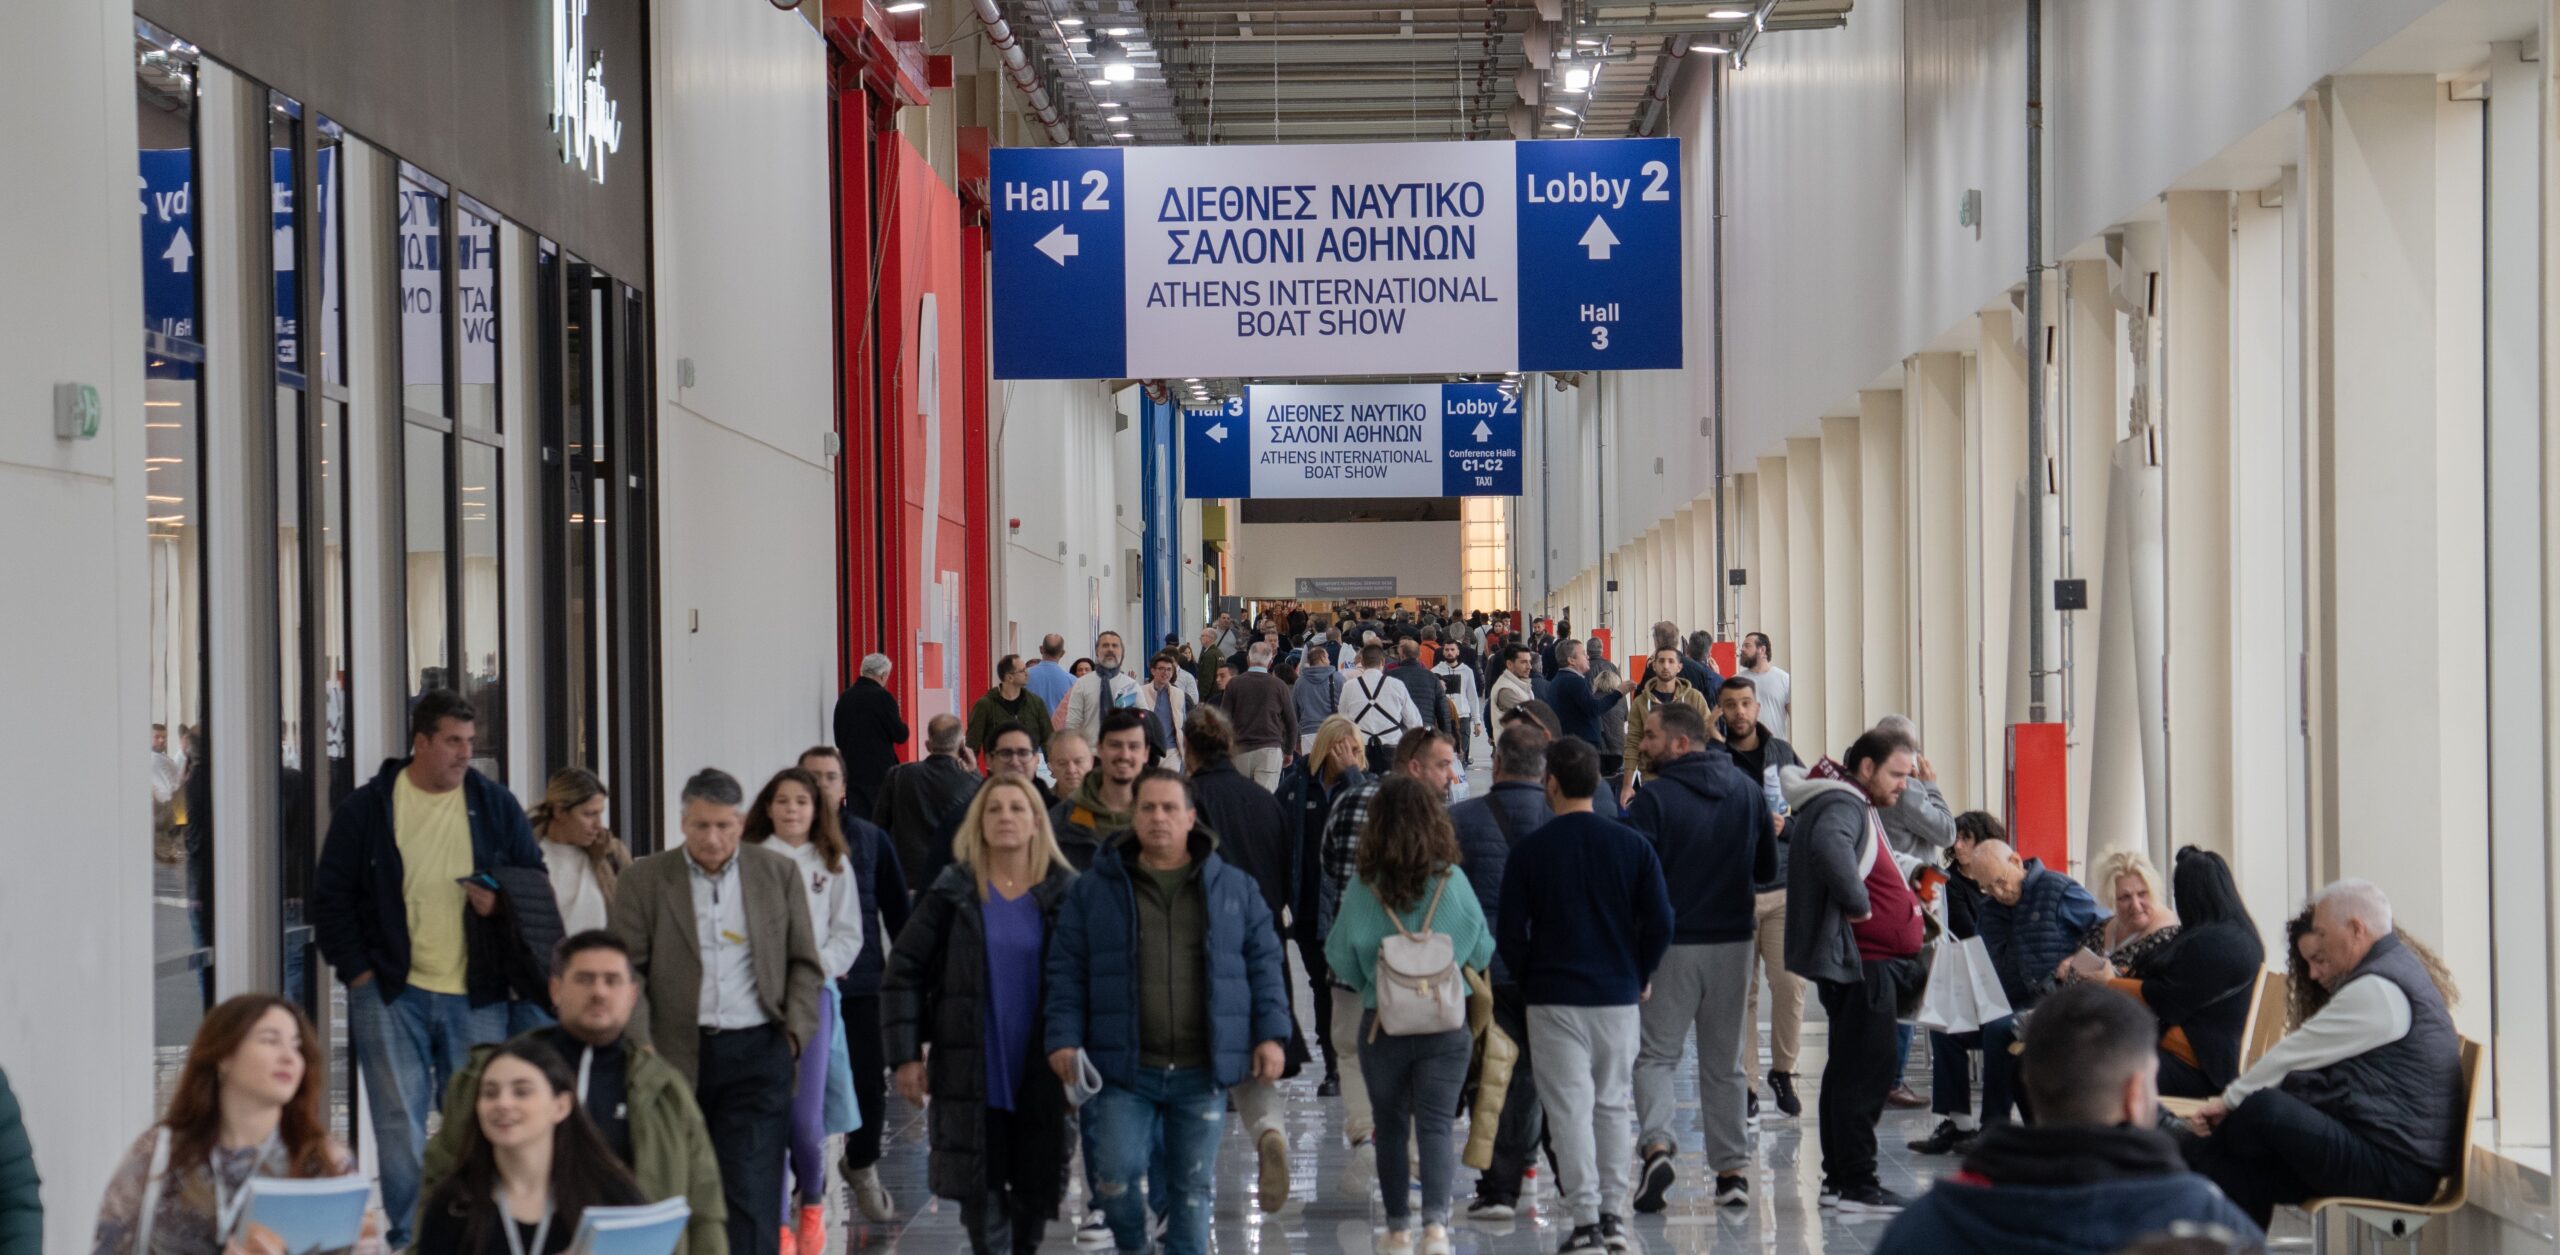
[
  {"x": 1760, "y": 756},
  {"x": 1487, "y": 827},
  {"x": 915, "y": 797},
  {"x": 1430, "y": 696},
  {"x": 1711, "y": 827},
  {"x": 415, "y": 1004},
  {"x": 869, "y": 729}
]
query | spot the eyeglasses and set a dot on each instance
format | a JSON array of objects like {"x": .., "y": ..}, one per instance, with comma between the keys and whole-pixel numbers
[{"x": 1020, "y": 754}]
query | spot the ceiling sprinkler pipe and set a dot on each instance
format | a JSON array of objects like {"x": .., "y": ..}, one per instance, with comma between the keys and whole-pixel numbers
[
  {"x": 1018, "y": 67},
  {"x": 1657, "y": 89}
]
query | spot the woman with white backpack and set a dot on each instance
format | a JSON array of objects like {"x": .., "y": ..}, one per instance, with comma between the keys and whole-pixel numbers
[{"x": 1407, "y": 924}]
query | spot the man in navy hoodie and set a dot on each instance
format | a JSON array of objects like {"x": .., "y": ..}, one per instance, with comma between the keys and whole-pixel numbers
[
  {"x": 387, "y": 908},
  {"x": 1710, "y": 825},
  {"x": 1584, "y": 920},
  {"x": 2091, "y": 1174}
]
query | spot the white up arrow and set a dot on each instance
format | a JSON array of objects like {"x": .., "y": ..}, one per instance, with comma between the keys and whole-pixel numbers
[
  {"x": 179, "y": 251},
  {"x": 1060, "y": 246},
  {"x": 1217, "y": 432},
  {"x": 1599, "y": 239},
  {"x": 1483, "y": 433}
]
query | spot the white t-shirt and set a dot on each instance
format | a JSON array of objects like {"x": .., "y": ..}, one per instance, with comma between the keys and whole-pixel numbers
[
  {"x": 835, "y": 906},
  {"x": 1774, "y": 689}
]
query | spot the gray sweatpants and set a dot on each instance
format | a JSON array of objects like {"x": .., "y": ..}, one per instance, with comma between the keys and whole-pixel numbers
[
  {"x": 1702, "y": 987},
  {"x": 1586, "y": 1075}
]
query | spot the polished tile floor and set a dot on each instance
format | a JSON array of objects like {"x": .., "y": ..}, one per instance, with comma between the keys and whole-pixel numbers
[{"x": 1781, "y": 1220}]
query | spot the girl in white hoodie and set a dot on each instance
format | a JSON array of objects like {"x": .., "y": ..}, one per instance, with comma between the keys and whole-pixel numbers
[{"x": 789, "y": 817}]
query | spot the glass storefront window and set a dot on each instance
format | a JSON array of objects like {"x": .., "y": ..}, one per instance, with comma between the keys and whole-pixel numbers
[
  {"x": 423, "y": 375},
  {"x": 484, "y": 604},
  {"x": 165, "y": 75},
  {"x": 426, "y": 517},
  {"x": 475, "y": 306}
]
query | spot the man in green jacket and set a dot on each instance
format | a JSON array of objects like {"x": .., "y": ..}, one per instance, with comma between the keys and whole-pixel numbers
[{"x": 637, "y": 1100}]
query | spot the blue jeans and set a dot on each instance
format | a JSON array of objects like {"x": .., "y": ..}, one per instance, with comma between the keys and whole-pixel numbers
[
  {"x": 1188, "y": 1109},
  {"x": 1951, "y": 1079},
  {"x": 407, "y": 1051},
  {"x": 1413, "y": 1087},
  {"x": 1902, "y": 1034}
]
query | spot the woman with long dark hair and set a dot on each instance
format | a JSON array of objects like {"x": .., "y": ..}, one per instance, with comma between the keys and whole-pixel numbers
[
  {"x": 791, "y": 814},
  {"x": 961, "y": 1018},
  {"x": 247, "y": 1105},
  {"x": 532, "y": 1163},
  {"x": 1407, "y": 884},
  {"x": 2199, "y": 983},
  {"x": 582, "y": 853}
]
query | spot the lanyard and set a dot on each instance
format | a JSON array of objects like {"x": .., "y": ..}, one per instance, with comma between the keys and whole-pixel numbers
[
  {"x": 229, "y": 1204},
  {"x": 515, "y": 1240}
]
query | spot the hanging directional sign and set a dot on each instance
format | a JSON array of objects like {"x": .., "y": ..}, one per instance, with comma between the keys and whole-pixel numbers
[
  {"x": 1337, "y": 259},
  {"x": 1355, "y": 440}
]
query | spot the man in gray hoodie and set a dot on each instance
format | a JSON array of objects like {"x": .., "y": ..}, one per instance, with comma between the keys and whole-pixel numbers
[
  {"x": 1317, "y": 694},
  {"x": 1853, "y": 929}
]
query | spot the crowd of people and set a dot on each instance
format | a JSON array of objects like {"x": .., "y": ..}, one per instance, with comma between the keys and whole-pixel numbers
[{"x": 1064, "y": 931}]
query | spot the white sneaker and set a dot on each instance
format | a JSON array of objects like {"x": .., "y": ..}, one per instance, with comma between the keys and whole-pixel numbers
[
  {"x": 1395, "y": 1242},
  {"x": 1359, "y": 1172},
  {"x": 1272, "y": 1182},
  {"x": 872, "y": 1198},
  {"x": 1093, "y": 1233},
  {"x": 1435, "y": 1240}
]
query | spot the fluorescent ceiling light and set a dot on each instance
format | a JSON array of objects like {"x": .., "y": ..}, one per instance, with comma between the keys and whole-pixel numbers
[
  {"x": 1117, "y": 31},
  {"x": 906, "y": 6},
  {"x": 1561, "y": 126},
  {"x": 1117, "y": 117},
  {"x": 1191, "y": 379},
  {"x": 1577, "y": 79},
  {"x": 1584, "y": 42},
  {"x": 1566, "y": 110},
  {"x": 1714, "y": 50},
  {"x": 1123, "y": 135},
  {"x": 1119, "y": 72},
  {"x": 1099, "y": 82},
  {"x": 1070, "y": 21},
  {"x": 1727, "y": 15},
  {"x": 1106, "y": 104}
]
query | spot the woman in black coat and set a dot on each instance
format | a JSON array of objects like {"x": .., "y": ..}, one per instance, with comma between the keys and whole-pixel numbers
[
  {"x": 961, "y": 1020},
  {"x": 2200, "y": 983}
]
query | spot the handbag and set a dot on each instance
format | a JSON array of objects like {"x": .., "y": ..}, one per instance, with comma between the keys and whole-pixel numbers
[
  {"x": 1420, "y": 988},
  {"x": 1964, "y": 990}
]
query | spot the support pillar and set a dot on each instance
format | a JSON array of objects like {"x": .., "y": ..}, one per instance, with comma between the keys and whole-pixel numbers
[
  {"x": 2399, "y": 533},
  {"x": 1941, "y": 682},
  {"x": 1772, "y": 601},
  {"x": 1882, "y": 524},
  {"x": 1805, "y": 588},
  {"x": 2195, "y": 447},
  {"x": 1995, "y": 457},
  {"x": 1843, "y": 584},
  {"x": 2092, "y": 423},
  {"x": 1742, "y": 519}
]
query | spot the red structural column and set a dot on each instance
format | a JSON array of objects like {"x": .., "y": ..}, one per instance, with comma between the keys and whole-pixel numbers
[{"x": 978, "y": 448}]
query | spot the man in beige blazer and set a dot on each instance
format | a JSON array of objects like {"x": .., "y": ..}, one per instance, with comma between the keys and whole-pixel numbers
[{"x": 729, "y": 984}]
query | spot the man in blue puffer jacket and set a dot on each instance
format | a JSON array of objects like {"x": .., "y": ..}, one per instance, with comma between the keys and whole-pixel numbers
[
  {"x": 1164, "y": 974},
  {"x": 2031, "y": 919}
]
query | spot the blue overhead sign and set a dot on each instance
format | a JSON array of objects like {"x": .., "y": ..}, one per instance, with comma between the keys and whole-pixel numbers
[
  {"x": 1337, "y": 259},
  {"x": 1355, "y": 440}
]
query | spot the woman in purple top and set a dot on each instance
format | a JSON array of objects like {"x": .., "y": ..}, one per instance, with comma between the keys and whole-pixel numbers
[{"x": 960, "y": 1018}]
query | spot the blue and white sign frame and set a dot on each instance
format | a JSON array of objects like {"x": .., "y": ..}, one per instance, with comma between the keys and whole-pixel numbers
[
  {"x": 1337, "y": 259},
  {"x": 1355, "y": 440}
]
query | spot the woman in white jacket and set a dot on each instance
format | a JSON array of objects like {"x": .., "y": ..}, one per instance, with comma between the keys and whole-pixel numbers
[
  {"x": 583, "y": 855},
  {"x": 788, "y": 815},
  {"x": 1461, "y": 683}
]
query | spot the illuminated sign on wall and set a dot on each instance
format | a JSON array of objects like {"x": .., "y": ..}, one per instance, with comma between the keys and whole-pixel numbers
[{"x": 588, "y": 122}]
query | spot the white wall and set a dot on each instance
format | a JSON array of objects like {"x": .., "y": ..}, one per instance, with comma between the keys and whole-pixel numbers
[
  {"x": 1057, "y": 473},
  {"x": 72, "y": 754},
  {"x": 746, "y": 494},
  {"x": 1270, "y": 558}
]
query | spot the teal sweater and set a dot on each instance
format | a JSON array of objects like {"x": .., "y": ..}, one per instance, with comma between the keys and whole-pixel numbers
[{"x": 1351, "y": 949}]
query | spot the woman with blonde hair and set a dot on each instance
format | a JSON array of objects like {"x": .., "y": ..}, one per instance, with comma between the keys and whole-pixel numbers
[
  {"x": 1332, "y": 766},
  {"x": 583, "y": 855},
  {"x": 961, "y": 1019},
  {"x": 2142, "y": 923}
]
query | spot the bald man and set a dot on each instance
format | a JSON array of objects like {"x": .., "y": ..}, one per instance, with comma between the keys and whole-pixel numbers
[{"x": 2031, "y": 919}]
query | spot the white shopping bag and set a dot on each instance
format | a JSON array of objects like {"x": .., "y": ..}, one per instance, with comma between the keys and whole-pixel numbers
[{"x": 1964, "y": 990}]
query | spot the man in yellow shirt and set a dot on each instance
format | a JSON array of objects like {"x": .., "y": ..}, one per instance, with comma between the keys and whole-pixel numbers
[{"x": 387, "y": 908}]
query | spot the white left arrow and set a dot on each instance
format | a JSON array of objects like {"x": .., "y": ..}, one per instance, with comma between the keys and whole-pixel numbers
[
  {"x": 1598, "y": 239},
  {"x": 1217, "y": 432},
  {"x": 1057, "y": 244}
]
